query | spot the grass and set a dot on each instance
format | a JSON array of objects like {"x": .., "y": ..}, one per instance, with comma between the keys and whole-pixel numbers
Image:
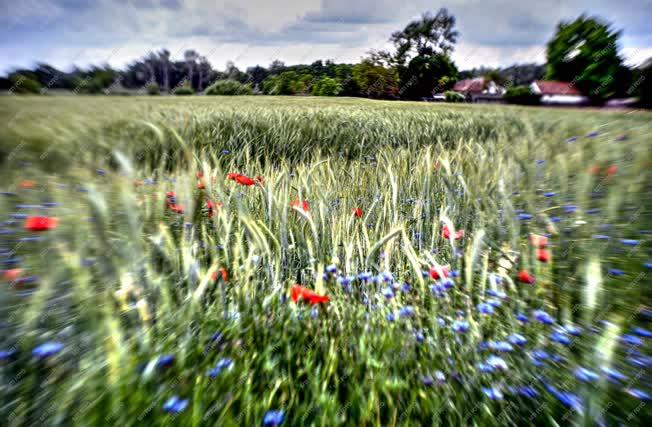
[{"x": 122, "y": 280}]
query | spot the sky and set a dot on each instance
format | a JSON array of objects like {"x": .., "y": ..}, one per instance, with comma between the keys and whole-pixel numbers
[{"x": 249, "y": 32}]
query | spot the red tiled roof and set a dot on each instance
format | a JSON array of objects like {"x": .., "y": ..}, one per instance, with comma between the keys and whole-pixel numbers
[
  {"x": 469, "y": 85},
  {"x": 549, "y": 87}
]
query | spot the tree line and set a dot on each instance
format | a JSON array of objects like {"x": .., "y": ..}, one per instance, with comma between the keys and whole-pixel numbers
[{"x": 583, "y": 52}]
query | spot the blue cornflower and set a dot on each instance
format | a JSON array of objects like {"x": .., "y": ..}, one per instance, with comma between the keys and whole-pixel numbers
[
  {"x": 493, "y": 393},
  {"x": 388, "y": 293},
  {"x": 522, "y": 318},
  {"x": 419, "y": 336},
  {"x": 642, "y": 332},
  {"x": 427, "y": 380},
  {"x": 494, "y": 302},
  {"x": 543, "y": 317},
  {"x": 540, "y": 354},
  {"x": 527, "y": 391},
  {"x": 631, "y": 340},
  {"x": 164, "y": 361},
  {"x": 524, "y": 216},
  {"x": 517, "y": 339},
  {"x": 6, "y": 354},
  {"x": 221, "y": 365},
  {"x": 640, "y": 362},
  {"x": 439, "y": 376},
  {"x": 592, "y": 211},
  {"x": 448, "y": 283},
  {"x": 585, "y": 375},
  {"x": 592, "y": 134},
  {"x": 560, "y": 338},
  {"x": 406, "y": 311},
  {"x": 460, "y": 326},
  {"x": 571, "y": 139},
  {"x": 573, "y": 330},
  {"x": 613, "y": 375},
  {"x": 555, "y": 219},
  {"x": 483, "y": 367},
  {"x": 273, "y": 418},
  {"x": 629, "y": 242},
  {"x": 175, "y": 405},
  {"x": 100, "y": 172},
  {"x": 549, "y": 194},
  {"x": 386, "y": 276},
  {"x": 496, "y": 363},
  {"x": 569, "y": 209},
  {"x": 331, "y": 269},
  {"x": 647, "y": 264},
  {"x": 405, "y": 288},
  {"x": 454, "y": 273},
  {"x": 225, "y": 152},
  {"x": 485, "y": 308},
  {"x": 638, "y": 394},
  {"x": 344, "y": 281},
  {"x": 615, "y": 272},
  {"x": 502, "y": 346},
  {"x": 441, "y": 321},
  {"x": 364, "y": 276},
  {"x": 600, "y": 237},
  {"x": 390, "y": 317},
  {"x": 540, "y": 162},
  {"x": 47, "y": 349}
]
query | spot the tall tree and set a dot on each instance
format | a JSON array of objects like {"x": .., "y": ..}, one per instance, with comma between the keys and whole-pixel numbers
[
  {"x": 585, "y": 52},
  {"x": 190, "y": 57},
  {"x": 164, "y": 58},
  {"x": 426, "y": 36}
]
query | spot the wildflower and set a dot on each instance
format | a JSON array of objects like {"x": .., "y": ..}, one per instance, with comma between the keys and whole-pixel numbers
[
  {"x": 524, "y": 216},
  {"x": 492, "y": 393},
  {"x": 502, "y": 346},
  {"x": 549, "y": 194},
  {"x": 615, "y": 272},
  {"x": 390, "y": 317},
  {"x": 446, "y": 233},
  {"x": 365, "y": 276},
  {"x": 543, "y": 317},
  {"x": 441, "y": 321},
  {"x": 497, "y": 363},
  {"x": 485, "y": 308},
  {"x": 525, "y": 277},
  {"x": 460, "y": 326},
  {"x": 612, "y": 170},
  {"x": 543, "y": 255},
  {"x": 440, "y": 377},
  {"x": 221, "y": 365},
  {"x": 175, "y": 405},
  {"x": 592, "y": 134},
  {"x": 527, "y": 391},
  {"x": 613, "y": 375},
  {"x": 331, "y": 269},
  {"x": 302, "y": 205},
  {"x": 40, "y": 223},
  {"x": 47, "y": 349},
  {"x": 388, "y": 293},
  {"x": 638, "y": 394},
  {"x": 6, "y": 354},
  {"x": 555, "y": 219},
  {"x": 585, "y": 375},
  {"x": 522, "y": 318},
  {"x": 427, "y": 380},
  {"x": 642, "y": 332},
  {"x": 538, "y": 241},
  {"x": 407, "y": 311},
  {"x": 165, "y": 361},
  {"x": 357, "y": 212},
  {"x": 600, "y": 237},
  {"x": 569, "y": 209},
  {"x": 573, "y": 330},
  {"x": 571, "y": 139},
  {"x": 12, "y": 274},
  {"x": 419, "y": 336},
  {"x": 273, "y": 418},
  {"x": 436, "y": 273},
  {"x": 632, "y": 340},
  {"x": 305, "y": 294},
  {"x": 629, "y": 242},
  {"x": 223, "y": 272},
  {"x": 517, "y": 339}
]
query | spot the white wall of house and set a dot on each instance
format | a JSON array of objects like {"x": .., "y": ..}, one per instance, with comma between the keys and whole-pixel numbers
[{"x": 563, "y": 99}]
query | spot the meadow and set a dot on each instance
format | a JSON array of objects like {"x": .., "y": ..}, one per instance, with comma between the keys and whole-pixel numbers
[{"x": 302, "y": 261}]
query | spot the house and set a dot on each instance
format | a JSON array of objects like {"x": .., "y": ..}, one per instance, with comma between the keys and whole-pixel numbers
[
  {"x": 479, "y": 90},
  {"x": 558, "y": 93}
]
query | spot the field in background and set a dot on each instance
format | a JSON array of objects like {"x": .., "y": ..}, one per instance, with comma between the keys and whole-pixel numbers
[{"x": 143, "y": 297}]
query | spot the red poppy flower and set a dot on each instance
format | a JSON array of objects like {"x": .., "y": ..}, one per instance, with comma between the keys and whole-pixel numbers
[
  {"x": 298, "y": 292},
  {"x": 200, "y": 174},
  {"x": 594, "y": 169},
  {"x": 543, "y": 255},
  {"x": 223, "y": 273},
  {"x": 357, "y": 212},
  {"x": 232, "y": 176},
  {"x": 200, "y": 185},
  {"x": 538, "y": 240},
  {"x": 447, "y": 233},
  {"x": 303, "y": 205},
  {"x": 40, "y": 223},
  {"x": 176, "y": 208},
  {"x": 244, "y": 180},
  {"x": 525, "y": 277},
  {"x": 27, "y": 184},
  {"x": 12, "y": 274},
  {"x": 210, "y": 206},
  {"x": 434, "y": 274},
  {"x": 612, "y": 170}
]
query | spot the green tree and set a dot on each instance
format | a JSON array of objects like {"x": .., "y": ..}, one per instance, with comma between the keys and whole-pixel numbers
[
  {"x": 585, "y": 52},
  {"x": 23, "y": 84},
  {"x": 521, "y": 95},
  {"x": 425, "y": 75},
  {"x": 375, "y": 81},
  {"x": 228, "y": 87},
  {"x": 426, "y": 36},
  {"x": 326, "y": 86}
]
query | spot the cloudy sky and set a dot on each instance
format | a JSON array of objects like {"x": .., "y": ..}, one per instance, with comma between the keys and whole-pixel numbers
[{"x": 249, "y": 32}]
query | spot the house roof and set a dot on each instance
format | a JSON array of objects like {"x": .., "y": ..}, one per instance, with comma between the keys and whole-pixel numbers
[
  {"x": 469, "y": 85},
  {"x": 551, "y": 87}
]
